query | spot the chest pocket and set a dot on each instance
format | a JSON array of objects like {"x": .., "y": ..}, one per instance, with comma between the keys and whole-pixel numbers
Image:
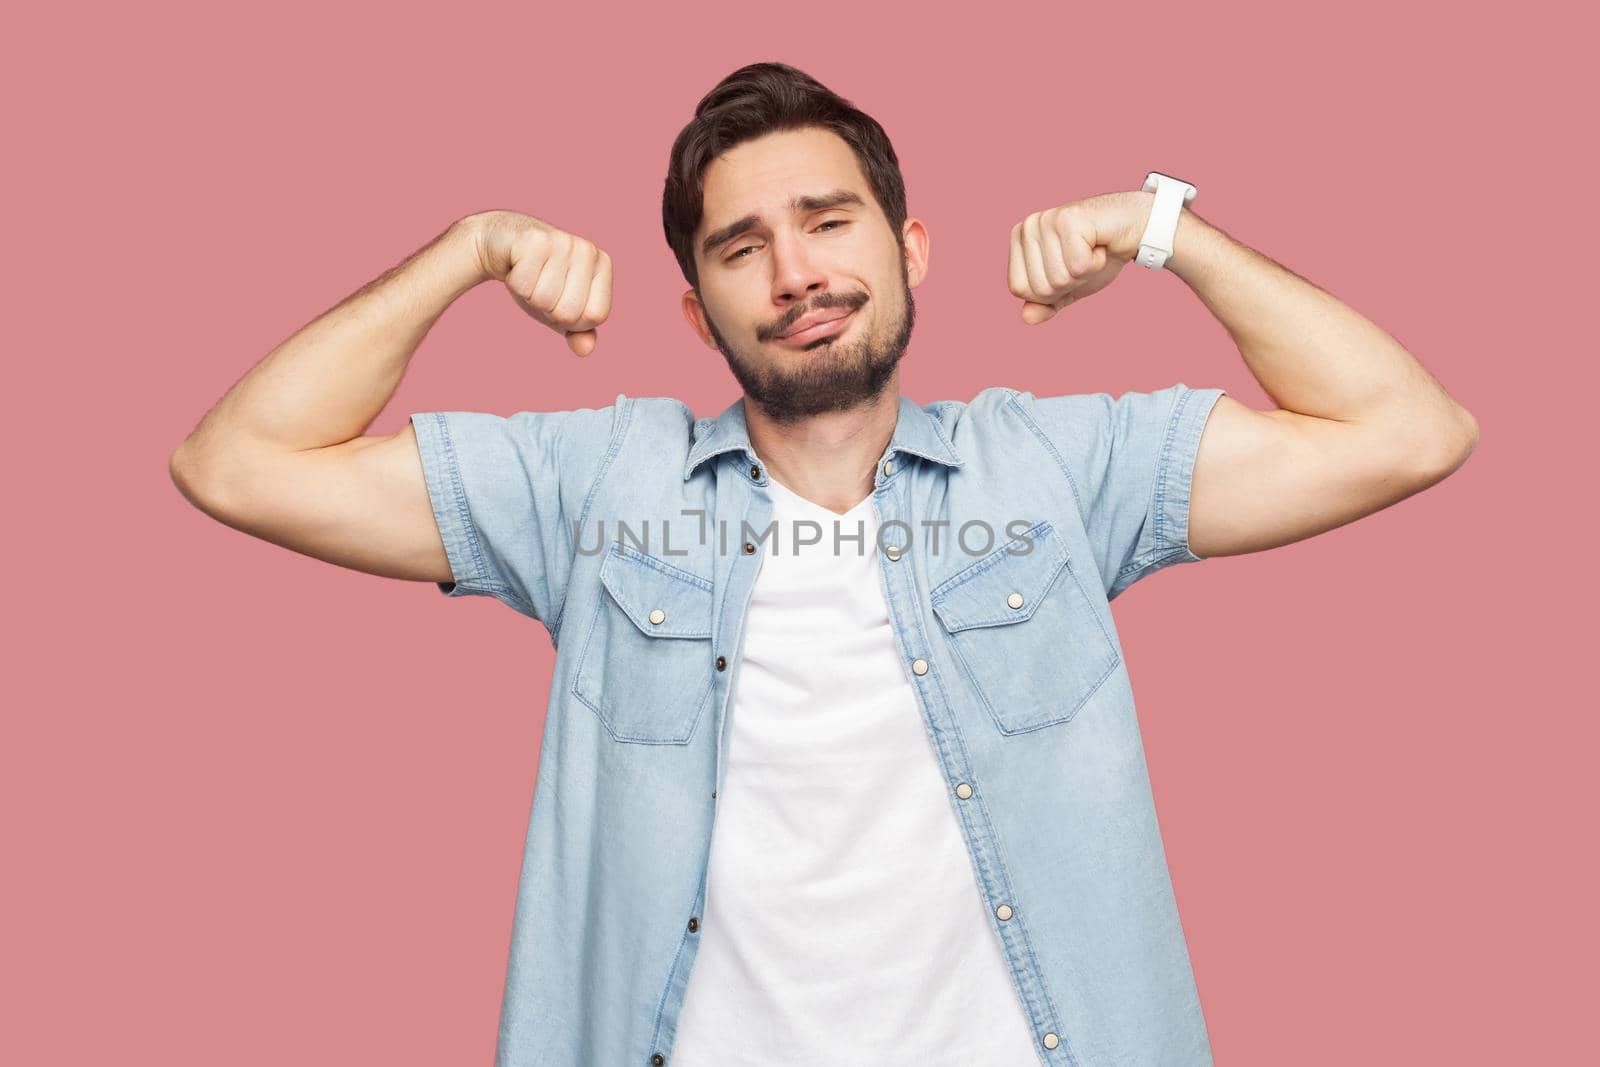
[
  {"x": 1025, "y": 633},
  {"x": 645, "y": 667}
]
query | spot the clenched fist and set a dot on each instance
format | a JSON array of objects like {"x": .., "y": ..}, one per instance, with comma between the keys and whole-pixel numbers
[
  {"x": 1065, "y": 253},
  {"x": 561, "y": 279}
]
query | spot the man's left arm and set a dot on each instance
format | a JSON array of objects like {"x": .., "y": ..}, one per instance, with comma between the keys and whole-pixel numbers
[{"x": 1360, "y": 424}]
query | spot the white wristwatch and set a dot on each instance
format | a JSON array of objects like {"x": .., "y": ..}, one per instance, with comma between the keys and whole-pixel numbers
[{"x": 1171, "y": 194}]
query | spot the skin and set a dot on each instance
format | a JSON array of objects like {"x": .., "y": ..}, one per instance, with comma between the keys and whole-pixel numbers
[
  {"x": 1358, "y": 425},
  {"x": 819, "y": 415}
]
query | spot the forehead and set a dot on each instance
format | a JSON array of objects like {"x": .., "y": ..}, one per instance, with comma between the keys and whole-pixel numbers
[{"x": 761, "y": 176}]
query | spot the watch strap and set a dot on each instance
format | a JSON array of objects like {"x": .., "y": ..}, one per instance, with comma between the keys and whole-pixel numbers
[{"x": 1171, "y": 195}]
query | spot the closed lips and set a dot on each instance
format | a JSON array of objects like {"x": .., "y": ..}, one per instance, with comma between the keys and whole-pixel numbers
[{"x": 815, "y": 319}]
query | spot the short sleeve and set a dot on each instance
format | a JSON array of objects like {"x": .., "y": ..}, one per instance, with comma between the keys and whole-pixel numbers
[
  {"x": 1131, "y": 460},
  {"x": 506, "y": 491}
]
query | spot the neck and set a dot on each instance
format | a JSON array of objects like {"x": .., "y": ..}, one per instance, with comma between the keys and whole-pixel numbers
[{"x": 829, "y": 459}]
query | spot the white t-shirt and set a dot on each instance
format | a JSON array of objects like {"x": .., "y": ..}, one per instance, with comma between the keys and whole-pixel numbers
[{"x": 843, "y": 923}]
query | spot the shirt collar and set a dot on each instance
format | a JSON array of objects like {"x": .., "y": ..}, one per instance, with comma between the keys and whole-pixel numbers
[{"x": 916, "y": 432}]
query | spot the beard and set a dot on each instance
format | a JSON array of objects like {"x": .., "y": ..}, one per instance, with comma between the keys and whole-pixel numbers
[{"x": 829, "y": 375}]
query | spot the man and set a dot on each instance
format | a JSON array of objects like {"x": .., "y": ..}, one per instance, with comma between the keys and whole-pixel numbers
[{"x": 913, "y": 733}]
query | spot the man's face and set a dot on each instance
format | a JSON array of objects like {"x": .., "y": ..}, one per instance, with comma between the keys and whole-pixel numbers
[{"x": 775, "y": 263}]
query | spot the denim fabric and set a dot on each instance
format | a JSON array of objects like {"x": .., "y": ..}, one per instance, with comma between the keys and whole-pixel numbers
[{"x": 1050, "y": 508}]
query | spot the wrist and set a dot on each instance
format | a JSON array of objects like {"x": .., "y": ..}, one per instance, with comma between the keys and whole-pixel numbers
[
  {"x": 1189, "y": 244},
  {"x": 473, "y": 233},
  {"x": 1188, "y": 234},
  {"x": 1137, "y": 205}
]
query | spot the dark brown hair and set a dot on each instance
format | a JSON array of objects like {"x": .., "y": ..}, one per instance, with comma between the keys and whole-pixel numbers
[{"x": 759, "y": 99}]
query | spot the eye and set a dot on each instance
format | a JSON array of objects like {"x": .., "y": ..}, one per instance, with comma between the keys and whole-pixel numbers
[{"x": 831, "y": 222}]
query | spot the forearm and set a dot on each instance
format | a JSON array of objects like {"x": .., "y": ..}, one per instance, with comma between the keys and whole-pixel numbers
[
  {"x": 327, "y": 383},
  {"x": 1312, "y": 353}
]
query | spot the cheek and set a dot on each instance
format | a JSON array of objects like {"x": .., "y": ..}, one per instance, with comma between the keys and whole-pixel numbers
[
  {"x": 722, "y": 307},
  {"x": 740, "y": 303}
]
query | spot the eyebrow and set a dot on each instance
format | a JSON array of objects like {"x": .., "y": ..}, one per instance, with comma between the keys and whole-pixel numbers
[{"x": 798, "y": 205}]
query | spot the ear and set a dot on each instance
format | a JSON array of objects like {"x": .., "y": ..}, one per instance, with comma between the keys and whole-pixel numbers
[
  {"x": 914, "y": 235},
  {"x": 695, "y": 313}
]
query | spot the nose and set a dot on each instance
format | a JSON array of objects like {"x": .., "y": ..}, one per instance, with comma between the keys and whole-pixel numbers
[{"x": 795, "y": 274}]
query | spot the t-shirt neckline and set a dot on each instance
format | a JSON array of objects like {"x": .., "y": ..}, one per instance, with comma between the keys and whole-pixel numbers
[{"x": 796, "y": 498}]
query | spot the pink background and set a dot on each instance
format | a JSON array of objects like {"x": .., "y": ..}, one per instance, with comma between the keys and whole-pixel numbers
[{"x": 263, "y": 810}]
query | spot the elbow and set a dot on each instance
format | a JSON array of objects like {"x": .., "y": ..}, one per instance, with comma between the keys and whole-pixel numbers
[
  {"x": 181, "y": 469},
  {"x": 1448, "y": 447},
  {"x": 186, "y": 470},
  {"x": 1469, "y": 432},
  {"x": 178, "y": 468},
  {"x": 1464, "y": 438}
]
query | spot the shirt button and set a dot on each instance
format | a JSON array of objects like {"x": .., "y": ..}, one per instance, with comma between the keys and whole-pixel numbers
[
  {"x": 1003, "y": 911},
  {"x": 755, "y": 472},
  {"x": 1051, "y": 1041},
  {"x": 694, "y": 923},
  {"x": 888, "y": 467},
  {"x": 658, "y": 616},
  {"x": 657, "y": 1059},
  {"x": 919, "y": 666},
  {"x": 749, "y": 549},
  {"x": 1015, "y": 600},
  {"x": 893, "y": 552},
  {"x": 963, "y": 791},
  {"x": 722, "y": 664}
]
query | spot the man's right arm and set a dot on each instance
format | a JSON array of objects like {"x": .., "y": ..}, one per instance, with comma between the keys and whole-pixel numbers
[{"x": 282, "y": 457}]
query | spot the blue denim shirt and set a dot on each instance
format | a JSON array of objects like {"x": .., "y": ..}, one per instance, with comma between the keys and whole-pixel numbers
[{"x": 1008, "y": 523}]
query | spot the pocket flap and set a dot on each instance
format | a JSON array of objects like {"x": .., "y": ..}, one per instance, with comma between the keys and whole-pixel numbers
[
  {"x": 642, "y": 584},
  {"x": 982, "y": 594}
]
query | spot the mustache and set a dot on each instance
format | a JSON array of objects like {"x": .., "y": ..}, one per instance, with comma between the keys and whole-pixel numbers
[{"x": 850, "y": 303}]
